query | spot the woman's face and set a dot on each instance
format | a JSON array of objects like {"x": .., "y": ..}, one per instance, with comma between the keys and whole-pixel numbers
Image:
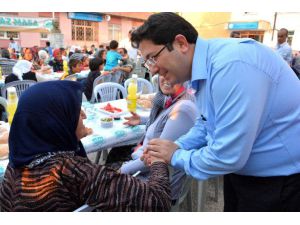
[
  {"x": 77, "y": 68},
  {"x": 166, "y": 87},
  {"x": 81, "y": 130},
  {"x": 28, "y": 55}
]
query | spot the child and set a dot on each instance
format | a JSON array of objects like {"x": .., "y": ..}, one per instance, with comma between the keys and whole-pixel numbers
[
  {"x": 95, "y": 65},
  {"x": 112, "y": 56}
]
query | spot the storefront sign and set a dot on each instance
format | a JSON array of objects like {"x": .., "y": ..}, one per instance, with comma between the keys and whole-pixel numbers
[
  {"x": 32, "y": 23},
  {"x": 85, "y": 16},
  {"x": 243, "y": 26}
]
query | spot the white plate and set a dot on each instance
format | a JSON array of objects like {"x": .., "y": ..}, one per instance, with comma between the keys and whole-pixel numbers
[{"x": 112, "y": 114}]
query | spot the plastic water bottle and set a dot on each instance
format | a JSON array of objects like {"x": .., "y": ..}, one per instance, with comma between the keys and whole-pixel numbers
[
  {"x": 131, "y": 97},
  {"x": 12, "y": 103}
]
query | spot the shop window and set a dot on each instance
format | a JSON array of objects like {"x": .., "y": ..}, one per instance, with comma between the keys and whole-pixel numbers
[
  {"x": 114, "y": 32},
  {"x": 290, "y": 37},
  {"x": 83, "y": 30},
  {"x": 9, "y": 34},
  {"x": 44, "y": 36}
]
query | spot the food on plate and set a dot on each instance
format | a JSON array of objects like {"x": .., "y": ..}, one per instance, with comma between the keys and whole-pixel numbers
[
  {"x": 112, "y": 109},
  {"x": 107, "y": 119}
]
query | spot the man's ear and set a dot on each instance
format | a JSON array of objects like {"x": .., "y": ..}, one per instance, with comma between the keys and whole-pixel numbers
[{"x": 181, "y": 43}]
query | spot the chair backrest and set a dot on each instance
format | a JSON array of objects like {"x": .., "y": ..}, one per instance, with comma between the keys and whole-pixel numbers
[
  {"x": 143, "y": 86},
  {"x": 109, "y": 91},
  {"x": 20, "y": 85},
  {"x": 99, "y": 80},
  {"x": 85, "y": 208},
  {"x": 72, "y": 77},
  {"x": 155, "y": 83},
  {"x": 7, "y": 65}
]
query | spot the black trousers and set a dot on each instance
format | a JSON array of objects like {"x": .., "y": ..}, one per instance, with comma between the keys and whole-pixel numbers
[{"x": 261, "y": 194}]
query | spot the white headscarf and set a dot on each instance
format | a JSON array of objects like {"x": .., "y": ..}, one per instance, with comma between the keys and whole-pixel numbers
[
  {"x": 21, "y": 67},
  {"x": 43, "y": 55}
]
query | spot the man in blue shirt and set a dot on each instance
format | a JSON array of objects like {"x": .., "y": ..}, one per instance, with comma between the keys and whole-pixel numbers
[
  {"x": 249, "y": 113},
  {"x": 283, "y": 47},
  {"x": 49, "y": 49}
]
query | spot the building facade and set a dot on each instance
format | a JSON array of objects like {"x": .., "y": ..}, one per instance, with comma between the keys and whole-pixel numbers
[
  {"x": 262, "y": 27},
  {"x": 78, "y": 28}
]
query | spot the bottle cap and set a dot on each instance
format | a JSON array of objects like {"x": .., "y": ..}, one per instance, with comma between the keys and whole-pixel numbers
[
  {"x": 135, "y": 76},
  {"x": 11, "y": 90}
]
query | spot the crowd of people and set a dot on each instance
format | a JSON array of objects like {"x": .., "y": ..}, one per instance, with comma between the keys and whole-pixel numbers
[{"x": 225, "y": 107}]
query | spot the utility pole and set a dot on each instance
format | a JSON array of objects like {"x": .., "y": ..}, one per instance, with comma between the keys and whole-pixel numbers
[{"x": 274, "y": 25}]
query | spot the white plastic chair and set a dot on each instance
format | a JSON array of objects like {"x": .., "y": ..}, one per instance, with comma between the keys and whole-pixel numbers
[
  {"x": 109, "y": 91},
  {"x": 20, "y": 85},
  {"x": 155, "y": 83},
  {"x": 99, "y": 80},
  {"x": 144, "y": 86}
]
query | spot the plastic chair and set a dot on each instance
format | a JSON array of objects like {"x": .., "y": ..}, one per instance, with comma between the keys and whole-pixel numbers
[
  {"x": 7, "y": 65},
  {"x": 144, "y": 86},
  {"x": 85, "y": 208},
  {"x": 109, "y": 91},
  {"x": 185, "y": 195},
  {"x": 99, "y": 80},
  {"x": 155, "y": 83},
  {"x": 20, "y": 85}
]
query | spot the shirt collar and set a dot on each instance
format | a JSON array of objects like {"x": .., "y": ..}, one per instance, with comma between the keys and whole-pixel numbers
[{"x": 199, "y": 70}]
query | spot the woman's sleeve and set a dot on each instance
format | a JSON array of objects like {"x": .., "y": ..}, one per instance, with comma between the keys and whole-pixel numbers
[{"x": 107, "y": 190}]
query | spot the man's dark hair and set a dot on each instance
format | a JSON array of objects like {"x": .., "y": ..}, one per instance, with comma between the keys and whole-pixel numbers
[
  {"x": 161, "y": 29},
  {"x": 125, "y": 50},
  {"x": 92, "y": 46},
  {"x": 11, "y": 39},
  {"x": 113, "y": 44},
  {"x": 101, "y": 46},
  {"x": 95, "y": 63},
  {"x": 234, "y": 33},
  {"x": 47, "y": 43},
  {"x": 62, "y": 49},
  {"x": 285, "y": 30}
]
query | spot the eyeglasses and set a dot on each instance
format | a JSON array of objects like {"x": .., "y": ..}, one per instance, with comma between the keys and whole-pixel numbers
[{"x": 152, "y": 60}]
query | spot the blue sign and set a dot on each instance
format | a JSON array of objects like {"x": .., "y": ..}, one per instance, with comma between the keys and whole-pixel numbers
[
  {"x": 85, "y": 16},
  {"x": 243, "y": 26}
]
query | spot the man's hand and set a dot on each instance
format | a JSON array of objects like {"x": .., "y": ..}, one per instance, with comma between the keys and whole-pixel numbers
[
  {"x": 159, "y": 150},
  {"x": 115, "y": 69}
]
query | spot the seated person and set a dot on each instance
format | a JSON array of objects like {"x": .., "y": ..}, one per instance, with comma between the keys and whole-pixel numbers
[
  {"x": 96, "y": 65},
  {"x": 126, "y": 66},
  {"x": 85, "y": 62},
  {"x": 75, "y": 65},
  {"x": 3, "y": 142},
  {"x": 48, "y": 168},
  {"x": 22, "y": 70},
  {"x": 169, "y": 119},
  {"x": 57, "y": 62}
]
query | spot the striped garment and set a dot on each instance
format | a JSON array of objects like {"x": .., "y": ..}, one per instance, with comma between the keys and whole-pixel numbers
[{"x": 64, "y": 183}]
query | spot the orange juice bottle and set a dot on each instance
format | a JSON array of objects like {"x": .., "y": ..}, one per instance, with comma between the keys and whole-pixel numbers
[
  {"x": 131, "y": 97},
  {"x": 12, "y": 103}
]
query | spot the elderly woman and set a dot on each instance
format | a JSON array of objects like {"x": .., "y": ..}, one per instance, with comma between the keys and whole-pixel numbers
[
  {"x": 22, "y": 70},
  {"x": 172, "y": 115},
  {"x": 48, "y": 168},
  {"x": 57, "y": 62}
]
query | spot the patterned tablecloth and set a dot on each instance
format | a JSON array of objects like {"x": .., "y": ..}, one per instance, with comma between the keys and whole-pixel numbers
[{"x": 103, "y": 138}]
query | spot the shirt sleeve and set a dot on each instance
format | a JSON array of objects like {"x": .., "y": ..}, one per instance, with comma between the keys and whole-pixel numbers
[
  {"x": 104, "y": 188},
  {"x": 239, "y": 93}
]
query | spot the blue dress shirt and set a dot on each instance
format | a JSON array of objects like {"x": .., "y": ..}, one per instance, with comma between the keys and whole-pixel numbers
[
  {"x": 285, "y": 51},
  {"x": 250, "y": 105}
]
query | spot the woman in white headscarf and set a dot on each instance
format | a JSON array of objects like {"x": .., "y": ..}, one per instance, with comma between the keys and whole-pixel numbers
[{"x": 22, "y": 70}]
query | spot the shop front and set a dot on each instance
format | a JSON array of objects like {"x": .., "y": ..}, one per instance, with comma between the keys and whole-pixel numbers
[{"x": 255, "y": 30}]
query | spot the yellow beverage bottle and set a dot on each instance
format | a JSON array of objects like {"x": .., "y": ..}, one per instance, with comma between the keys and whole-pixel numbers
[
  {"x": 131, "y": 97},
  {"x": 1, "y": 73},
  {"x": 12, "y": 103},
  {"x": 66, "y": 70}
]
